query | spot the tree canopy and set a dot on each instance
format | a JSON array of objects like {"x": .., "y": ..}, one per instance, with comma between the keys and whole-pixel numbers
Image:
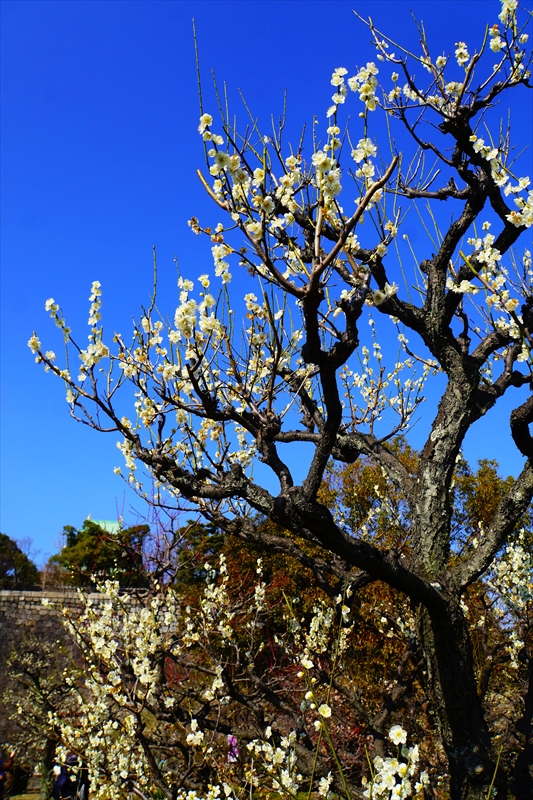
[
  {"x": 17, "y": 571},
  {"x": 92, "y": 553}
]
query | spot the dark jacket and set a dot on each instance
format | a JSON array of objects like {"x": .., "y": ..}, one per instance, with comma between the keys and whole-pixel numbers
[{"x": 5, "y": 766}]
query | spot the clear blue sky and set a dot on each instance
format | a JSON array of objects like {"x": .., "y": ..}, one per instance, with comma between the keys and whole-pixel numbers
[{"x": 99, "y": 152}]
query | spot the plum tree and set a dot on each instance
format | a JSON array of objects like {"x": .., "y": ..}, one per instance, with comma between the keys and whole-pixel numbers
[{"x": 210, "y": 399}]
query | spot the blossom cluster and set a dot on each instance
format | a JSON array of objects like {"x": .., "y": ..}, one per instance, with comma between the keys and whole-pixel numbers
[
  {"x": 507, "y": 42},
  {"x": 392, "y": 778},
  {"x": 364, "y": 82},
  {"x": 128, "y": 643}
]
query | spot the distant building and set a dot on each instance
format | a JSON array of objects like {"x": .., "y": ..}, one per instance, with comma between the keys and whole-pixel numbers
[{"x": 109, "y": 525}]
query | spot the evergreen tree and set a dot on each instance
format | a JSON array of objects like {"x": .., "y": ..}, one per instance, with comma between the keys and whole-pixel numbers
[
  {"x": 93, "y": 553},
  {"x": 17, "y": 571}
]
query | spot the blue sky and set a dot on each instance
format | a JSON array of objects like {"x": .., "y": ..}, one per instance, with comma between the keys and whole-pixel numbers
[{"x": 99, "y": 152}]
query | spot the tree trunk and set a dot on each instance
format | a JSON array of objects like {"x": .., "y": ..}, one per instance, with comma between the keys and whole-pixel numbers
[
  {"x": 47, "y": 764},
  {"x": 453, "y": 689}
]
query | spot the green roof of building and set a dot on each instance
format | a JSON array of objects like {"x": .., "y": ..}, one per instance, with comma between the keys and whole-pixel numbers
[{"x": 109, "y": 525}]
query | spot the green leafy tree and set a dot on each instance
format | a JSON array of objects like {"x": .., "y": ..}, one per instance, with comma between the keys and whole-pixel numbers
[
  {"x": 93, "y": 553},
  {"x": 17, "y": 571},
  {"x": 199, "y": 543}
]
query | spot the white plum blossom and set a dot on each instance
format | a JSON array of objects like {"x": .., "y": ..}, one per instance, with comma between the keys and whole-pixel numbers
[
  {"x": 397, "y": 735},
  {"x": 461, "y": 54}
]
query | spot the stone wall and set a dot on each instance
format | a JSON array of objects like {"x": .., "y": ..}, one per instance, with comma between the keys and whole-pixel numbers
[
  {"x": 23, "y": 613},
  {"x": 24, "y": 617}
]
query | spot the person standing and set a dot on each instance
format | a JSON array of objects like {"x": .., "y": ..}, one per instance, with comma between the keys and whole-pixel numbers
[{"x": 5, "y": 767}]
